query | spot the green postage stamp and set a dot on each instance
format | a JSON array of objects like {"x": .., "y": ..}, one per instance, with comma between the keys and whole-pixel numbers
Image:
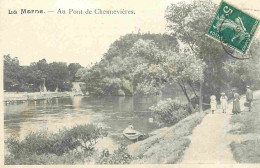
[{"x": 233, "y": 27}]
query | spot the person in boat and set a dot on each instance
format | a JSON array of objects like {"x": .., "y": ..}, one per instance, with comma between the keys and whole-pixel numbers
[
  {"x": 130, "y": 129},
  {"x": 132, "y": 134}
]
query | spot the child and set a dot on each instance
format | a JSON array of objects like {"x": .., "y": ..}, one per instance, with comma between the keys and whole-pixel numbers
[
  {"x": 213, "y": 103},
  {"x": 223, "y": 101}
]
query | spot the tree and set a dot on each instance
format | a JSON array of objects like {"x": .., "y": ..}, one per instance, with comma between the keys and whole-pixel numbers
[
  {"x": 121, "y": 60},
  {"x": 240, "y": 73},
  {"x": 59, "y": 77},
  {"x": 11, "y": 73},
  {"x": 183, "y": 68},
  {"x": 30, "y": 78},
  {"x": 183, "y": 22},
  {"x": 73, "y": 68},
  {"x": 93, "y": 79}
]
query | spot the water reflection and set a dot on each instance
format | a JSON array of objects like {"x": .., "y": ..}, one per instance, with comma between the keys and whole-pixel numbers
[{"x": 113, "y": 113}]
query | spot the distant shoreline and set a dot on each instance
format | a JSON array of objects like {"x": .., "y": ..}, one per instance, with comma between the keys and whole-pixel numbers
[{"x": 16, "y": 97}]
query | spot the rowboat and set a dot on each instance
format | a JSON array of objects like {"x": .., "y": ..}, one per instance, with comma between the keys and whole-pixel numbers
[{"x": 132, "y": 134}]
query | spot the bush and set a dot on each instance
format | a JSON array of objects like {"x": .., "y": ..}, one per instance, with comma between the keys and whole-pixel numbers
[
  {"x": 120, "y": 156},
  {"x": 79, "y": 139},
  {"x": 168, "y": 112},
  {"x": 45, "y": 159}
]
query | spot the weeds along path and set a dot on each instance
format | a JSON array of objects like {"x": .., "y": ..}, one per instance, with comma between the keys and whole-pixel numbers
[{"x": 210, "y": 141}]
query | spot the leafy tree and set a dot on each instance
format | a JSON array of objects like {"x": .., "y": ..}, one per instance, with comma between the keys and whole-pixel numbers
[
  {"x": 30, "y": 78},
  {"x": 182, "y": 68},
  {"x": 240, "y": 73},
  {"x": 183, "y": 22},
  {"x": 11, "y": 73},
  {"x": 59, "y": 77},
  {"x": 116, "y": 69},
  {"x": 73, "y": 68}
]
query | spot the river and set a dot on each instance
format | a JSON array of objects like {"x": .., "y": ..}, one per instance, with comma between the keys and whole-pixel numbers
[{"x": 113, "y": 113}]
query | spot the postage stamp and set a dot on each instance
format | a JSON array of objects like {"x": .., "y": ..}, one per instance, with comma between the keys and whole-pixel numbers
[{"x": 233, "y": 27}]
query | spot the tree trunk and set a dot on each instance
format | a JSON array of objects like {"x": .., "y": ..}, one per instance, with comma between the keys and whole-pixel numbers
[
  {"x": 193, "y": 89},
  {"x": 184, "y": 91},
  {"x": 182, "y": 86}
]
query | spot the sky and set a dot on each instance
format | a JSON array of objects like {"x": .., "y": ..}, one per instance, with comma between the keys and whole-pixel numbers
[{"x": 80, "y": 38}]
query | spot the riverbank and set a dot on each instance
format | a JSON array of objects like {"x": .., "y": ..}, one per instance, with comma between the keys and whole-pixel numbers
[
  {"x": 168, "y": 145},
  {"x": 205, "y": 138},
  {"x": 246, "y": 127},
  {"x": 17, "y": 97}
]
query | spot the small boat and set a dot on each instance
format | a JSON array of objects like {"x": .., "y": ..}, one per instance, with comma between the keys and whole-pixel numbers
[{"x": 132, "y": 134}]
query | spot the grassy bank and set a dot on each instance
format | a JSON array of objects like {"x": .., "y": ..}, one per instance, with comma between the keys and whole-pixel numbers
[
  {"x": 247, "y": 126},
  {"x": 168, "y": 145}
]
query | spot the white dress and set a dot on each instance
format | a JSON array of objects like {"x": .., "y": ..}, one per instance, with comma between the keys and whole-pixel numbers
[
  {"x": 223, "y": 101},
  {"x": 213, "y": 102}
]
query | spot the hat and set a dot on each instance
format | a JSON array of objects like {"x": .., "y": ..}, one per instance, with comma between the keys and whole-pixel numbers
[{"x": 223, "y": 93}]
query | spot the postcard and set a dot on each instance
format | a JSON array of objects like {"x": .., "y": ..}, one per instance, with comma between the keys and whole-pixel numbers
[{"x": 154, "y": 83}]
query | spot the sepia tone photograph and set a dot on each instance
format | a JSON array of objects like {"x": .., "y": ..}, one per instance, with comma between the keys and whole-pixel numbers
[{"x": 130, "y": 82}]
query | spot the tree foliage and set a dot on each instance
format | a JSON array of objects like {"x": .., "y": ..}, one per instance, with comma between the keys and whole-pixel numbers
[
  {"x": 189, "y": 22},
  {"x": 29, "y": 78},
  {"x": 11, "y": 75},
  {"x": 120, "y": 156},
  {"x": 169, "y": 112},
  {"x": 79, "y": 142},
  {"x": 116, "y": 70}
]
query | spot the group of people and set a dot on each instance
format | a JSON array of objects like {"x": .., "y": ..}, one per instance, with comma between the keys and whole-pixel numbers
[
  {"x": 223, "y": 102},
  {"x": 236, "y": 101}
]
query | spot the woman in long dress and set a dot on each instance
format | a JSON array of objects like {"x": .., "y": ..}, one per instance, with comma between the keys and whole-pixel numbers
[
  {"x": 236, "y": 104},
  {"x": 223, "y": 101},
  {"x": 213, "y": 103}
]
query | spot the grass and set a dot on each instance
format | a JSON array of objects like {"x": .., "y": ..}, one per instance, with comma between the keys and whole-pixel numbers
[
  {"x": 247, "y": 151},
  {"x": 248, "y": 125},
  {"x": 168, "y": 147},
  {"x": 247, "y": 122}
]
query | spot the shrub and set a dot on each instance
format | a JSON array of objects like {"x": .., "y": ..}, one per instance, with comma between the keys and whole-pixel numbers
[
  {"x": 120, "y": 156},
  {"x": 168, "y": 112},
  {"x": 44, "y": 159},
  {"x": 80, "y": 139}
]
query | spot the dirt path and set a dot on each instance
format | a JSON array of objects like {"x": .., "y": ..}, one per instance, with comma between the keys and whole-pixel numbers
[{"x": 210, "y": 141}]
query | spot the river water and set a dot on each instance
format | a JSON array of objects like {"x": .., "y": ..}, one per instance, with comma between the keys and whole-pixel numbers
[{"x": 112, "y": 113}]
